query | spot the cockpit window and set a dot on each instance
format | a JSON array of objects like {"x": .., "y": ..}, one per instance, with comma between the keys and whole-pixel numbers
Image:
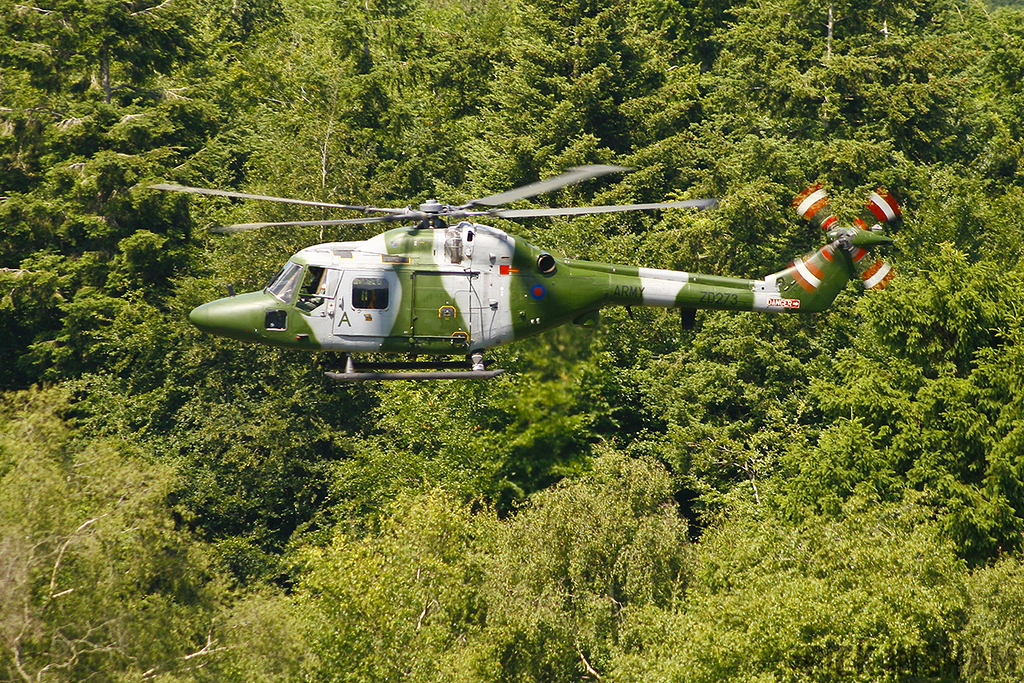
[
  {"x": 287, "y": 280},
  {"x": 314, "y": 281},
  {"x": 314, "y": 284},
  {"x": 369, "y": 292}
]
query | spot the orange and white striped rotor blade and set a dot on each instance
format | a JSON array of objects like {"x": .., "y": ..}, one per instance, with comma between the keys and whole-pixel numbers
[
  {"x": 878, "y": 275},
  {"x": 812, "y": 204},
  {"x": 881, "y": 207}
]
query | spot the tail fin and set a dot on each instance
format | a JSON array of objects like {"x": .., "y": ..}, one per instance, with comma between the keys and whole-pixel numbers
[{"x": 810, "y": 283}]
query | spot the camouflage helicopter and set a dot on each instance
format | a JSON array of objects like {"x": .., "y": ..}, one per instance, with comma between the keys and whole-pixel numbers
[{"x": 443, "y": 285}]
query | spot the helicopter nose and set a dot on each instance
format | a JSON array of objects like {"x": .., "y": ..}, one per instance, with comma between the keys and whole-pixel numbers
[
  {"x": 200, "y": 317},
  {"x": 235, "y": 317},
  {"x": 210, "y": 317}
]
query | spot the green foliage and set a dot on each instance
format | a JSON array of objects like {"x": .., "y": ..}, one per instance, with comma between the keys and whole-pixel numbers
[
  {"x": 927, "y": 398},
  {"x": 97, "y": 579},
  {"x": 391, "y": 607},
  {"x": 870, "y": 597},
  {"x": 65, "y": 46},
  {"x": 441, "y": 591},
  {"x": 571, "y": 570},
  {"x": 992, "y": 636}
]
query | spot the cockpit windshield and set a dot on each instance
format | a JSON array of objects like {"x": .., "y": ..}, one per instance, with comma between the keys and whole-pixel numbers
[{"x": 286, "y": 282}]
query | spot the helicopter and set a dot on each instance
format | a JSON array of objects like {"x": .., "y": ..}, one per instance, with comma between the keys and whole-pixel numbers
[{"x": 444, "y": 285}]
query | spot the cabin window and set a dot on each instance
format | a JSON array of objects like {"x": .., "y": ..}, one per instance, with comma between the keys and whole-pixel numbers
[
  {"x": 453, "y": 244},
  {"x": 276, "y": 320},
  {"x": 369, "y": 292},
  {"x": 286, "y": 282}
]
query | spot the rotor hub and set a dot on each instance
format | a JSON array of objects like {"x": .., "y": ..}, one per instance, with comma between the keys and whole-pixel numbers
[{"x": 432, "y": 206}]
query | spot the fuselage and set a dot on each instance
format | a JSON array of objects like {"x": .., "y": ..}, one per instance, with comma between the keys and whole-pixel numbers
[{"x": 470, "y": 287}]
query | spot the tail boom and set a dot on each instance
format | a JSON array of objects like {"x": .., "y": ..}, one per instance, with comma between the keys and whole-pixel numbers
[{"x": 808, "y": 285}]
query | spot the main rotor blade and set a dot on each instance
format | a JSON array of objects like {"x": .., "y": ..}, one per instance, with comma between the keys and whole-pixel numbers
[
  {"x": 242, "y": 195},
  {"x": 582, "y": 210},
  {"x": 570, "y": 177},
  {"x": 393, "y": 218}
]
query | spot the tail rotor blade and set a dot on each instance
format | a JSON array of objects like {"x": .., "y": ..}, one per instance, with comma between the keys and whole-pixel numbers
[
  {"x": 812, "y": 204},
  {"x": 865, "y": 234},
  {"x": 878, "y": 275},
  {"x": 880, "y": 208}
]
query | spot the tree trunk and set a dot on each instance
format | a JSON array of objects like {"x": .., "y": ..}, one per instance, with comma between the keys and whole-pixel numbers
[
  {"x": 105, "y": 72},
  {"x": 831, "y": 25}
]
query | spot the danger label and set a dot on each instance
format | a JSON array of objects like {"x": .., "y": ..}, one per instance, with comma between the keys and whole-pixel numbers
[{"x": 784, "y": 303}]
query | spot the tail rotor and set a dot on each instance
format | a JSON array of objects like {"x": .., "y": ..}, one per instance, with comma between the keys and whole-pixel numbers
[{"x": 880, "y": 210}]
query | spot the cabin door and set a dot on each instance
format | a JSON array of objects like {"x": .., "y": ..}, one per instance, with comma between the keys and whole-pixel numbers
[{"x": 442, "y": 306}]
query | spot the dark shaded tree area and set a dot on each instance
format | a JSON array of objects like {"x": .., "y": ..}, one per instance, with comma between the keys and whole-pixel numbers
[{"x": 824, "y": 497}]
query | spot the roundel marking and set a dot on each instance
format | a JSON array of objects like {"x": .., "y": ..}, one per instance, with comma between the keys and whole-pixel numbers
[{"x": 538, "y": 292}]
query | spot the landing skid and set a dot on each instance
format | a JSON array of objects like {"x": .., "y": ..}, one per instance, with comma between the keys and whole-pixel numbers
[
  {"x": 420, "y": 370},
  {"x": 450, "y": 374}
]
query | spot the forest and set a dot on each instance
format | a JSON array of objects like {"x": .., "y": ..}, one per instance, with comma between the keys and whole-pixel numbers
[{"x": 764, "y": 498}]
